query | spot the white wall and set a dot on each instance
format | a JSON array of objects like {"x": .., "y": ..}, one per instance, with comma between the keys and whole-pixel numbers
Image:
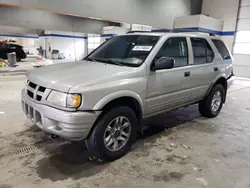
[
  {"x": 242, "y": 41},
  {"x": 94, "y": 40},
  {"x": 225, "y": 10},
  {"x": 110, "y": 31},
  {"x": 139, "y": 27},
  {"x": 157, "y": 13},
  {"x": 187, "y": 21},
  {"x": 241, "y": 65},
  {"x": 200, "y": 21},
  {"x": 211, "y": 23},
  {"x": 70, "y": 44},
  {"x": 114, "y": 30},
  {"x": 125, "y": 28}
]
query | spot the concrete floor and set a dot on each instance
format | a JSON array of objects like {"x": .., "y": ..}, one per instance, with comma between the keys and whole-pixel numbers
[{"x": 182, "y": 149}]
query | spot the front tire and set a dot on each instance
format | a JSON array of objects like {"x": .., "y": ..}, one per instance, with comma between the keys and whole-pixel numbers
[
  {"x": 113, "y": 134},
  {"x": 211, "y": 106}
]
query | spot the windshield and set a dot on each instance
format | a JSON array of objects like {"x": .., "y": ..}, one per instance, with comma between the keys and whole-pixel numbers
[{"x": 127, "y": 50}]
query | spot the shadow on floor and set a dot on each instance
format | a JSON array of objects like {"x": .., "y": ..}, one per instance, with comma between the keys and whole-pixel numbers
[{"x": 72, "y": 160}]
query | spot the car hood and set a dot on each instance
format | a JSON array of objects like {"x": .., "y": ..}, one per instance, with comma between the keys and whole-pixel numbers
[{"x": 63, "y": 76}]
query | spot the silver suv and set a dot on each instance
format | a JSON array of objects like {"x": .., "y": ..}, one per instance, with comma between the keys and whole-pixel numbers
[{"x": 104, "y": 98}]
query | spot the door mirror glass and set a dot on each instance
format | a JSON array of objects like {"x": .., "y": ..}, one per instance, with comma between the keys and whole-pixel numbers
[
  {"x": 163, "y": 63},
  {"x": 227, "y": 57}
]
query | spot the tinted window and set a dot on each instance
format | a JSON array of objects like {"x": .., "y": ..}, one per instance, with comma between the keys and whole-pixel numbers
[
  {"x": 175, "y": 48},
  {"x": 210, "y": 53},
  {"x": 222, "y": 49},
  {"x": 129, "y": 50},
  {"x": 203, "y": 52}
]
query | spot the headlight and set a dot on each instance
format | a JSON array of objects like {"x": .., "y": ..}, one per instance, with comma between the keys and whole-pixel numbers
[
  {"x": 57, "y": 98},
  {"x": 64, "y": 99},
  {"x": 74, "y": 100}
]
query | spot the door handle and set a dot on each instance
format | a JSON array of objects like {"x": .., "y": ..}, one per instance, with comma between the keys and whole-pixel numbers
[
  {"x": 187, "y": 74},
  {"x": 216, "y": 69}
]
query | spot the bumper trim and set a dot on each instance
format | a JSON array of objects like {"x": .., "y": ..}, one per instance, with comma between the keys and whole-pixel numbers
[
  {"x": 68, "y": 125},
  {"x": 230, "y": 81}
]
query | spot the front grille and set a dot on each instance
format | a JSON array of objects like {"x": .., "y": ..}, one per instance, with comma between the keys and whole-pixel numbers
[
  {"x": 42, "y": 89},
  {"x": 38, "y": 97},
  {"x": 32, "y": 85},
  {"x": 30, "y": 94},
  {"x": 35, "y": 91}
]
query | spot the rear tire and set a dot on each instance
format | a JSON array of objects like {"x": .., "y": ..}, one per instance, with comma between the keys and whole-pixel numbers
[
  {"x": 18, "y": 59},
  {"x": 211, "y": 106},
  {"x": 99, "y": 141}
]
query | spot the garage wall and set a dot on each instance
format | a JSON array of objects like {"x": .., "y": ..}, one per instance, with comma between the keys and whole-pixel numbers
[
  {"x": 157, "y": 13},
  {"x": 72, "y": 45},
  {"x": 34, "y": 19},
  {"x": 201, "y": 22},
  {"x": 25, "y": 37},
  {"x": 18, "y": 30},
  {"x": 242, "y": 41},
  {"x": 227, "y": 11}
]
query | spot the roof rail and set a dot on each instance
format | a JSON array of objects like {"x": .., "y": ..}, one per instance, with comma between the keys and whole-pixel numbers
[
  {"x": 138, "y": 32},
  {"x": 190, "y": 30}
]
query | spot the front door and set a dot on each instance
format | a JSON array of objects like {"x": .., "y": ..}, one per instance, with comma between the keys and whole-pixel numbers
[{"x": 169, "y": 88}]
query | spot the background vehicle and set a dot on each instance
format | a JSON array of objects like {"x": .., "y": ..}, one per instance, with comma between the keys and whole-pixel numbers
[
  {"x": 104, "y": 98},
  {"x": 6, "y": 47}
]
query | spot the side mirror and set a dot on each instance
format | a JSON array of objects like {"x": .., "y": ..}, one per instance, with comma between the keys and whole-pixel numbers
[
  {"x": 227, "y": 57},
  {"x": 163, "y": 63}
]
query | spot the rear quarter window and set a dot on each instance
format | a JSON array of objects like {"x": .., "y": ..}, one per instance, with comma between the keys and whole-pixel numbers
[
  {"x": 203, "y": 52},
  {"x": 222, "y": 49}
]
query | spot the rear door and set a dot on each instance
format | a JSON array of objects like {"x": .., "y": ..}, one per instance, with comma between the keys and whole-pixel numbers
[{"x": 204, "y": 68}]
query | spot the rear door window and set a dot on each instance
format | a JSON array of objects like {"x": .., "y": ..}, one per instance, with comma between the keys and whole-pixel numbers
[
  {"x": 203, "y": 52},
  {"x": 222, "y": 49}
]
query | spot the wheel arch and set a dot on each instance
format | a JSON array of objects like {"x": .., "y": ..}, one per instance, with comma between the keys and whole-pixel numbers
[
  {"x": 122, "y": 98},
  {"x": 118, "y": 95},
  {"x": 221, "y": 80}
]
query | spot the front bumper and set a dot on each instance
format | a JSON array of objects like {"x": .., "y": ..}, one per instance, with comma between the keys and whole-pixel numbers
[{"x": 68, "y": 125}]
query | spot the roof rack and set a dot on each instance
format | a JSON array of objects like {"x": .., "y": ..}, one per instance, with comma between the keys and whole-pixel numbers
[
  {"x": 190, "y": 30},
  {"x": 138, "y": 32}
]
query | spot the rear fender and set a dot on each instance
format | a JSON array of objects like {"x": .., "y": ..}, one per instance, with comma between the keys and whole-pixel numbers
[{"x": 214, "y": 82}]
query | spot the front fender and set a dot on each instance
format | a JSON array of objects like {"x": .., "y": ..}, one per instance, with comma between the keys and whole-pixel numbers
[{"x": 116, "y": 95}]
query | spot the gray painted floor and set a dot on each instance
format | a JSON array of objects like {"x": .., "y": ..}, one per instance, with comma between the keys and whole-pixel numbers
[{"x": 181, "y": 149}]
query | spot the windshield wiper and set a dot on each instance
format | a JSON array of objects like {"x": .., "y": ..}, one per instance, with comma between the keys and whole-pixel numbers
[
  {"x": 105, "y": 61},
  {"x": 91, "y": 59},
  {"x": 113, "y": 62}
]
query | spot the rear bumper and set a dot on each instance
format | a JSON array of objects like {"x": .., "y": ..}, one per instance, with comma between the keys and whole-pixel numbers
[
  {"x": 230, "y": 81},
  {"x": 68, "y": 125}
]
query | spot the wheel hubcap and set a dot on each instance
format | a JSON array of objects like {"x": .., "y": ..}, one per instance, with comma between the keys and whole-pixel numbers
[
  {"x": 117, "y": 133},
  {"x": 216, "y": 101}
]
